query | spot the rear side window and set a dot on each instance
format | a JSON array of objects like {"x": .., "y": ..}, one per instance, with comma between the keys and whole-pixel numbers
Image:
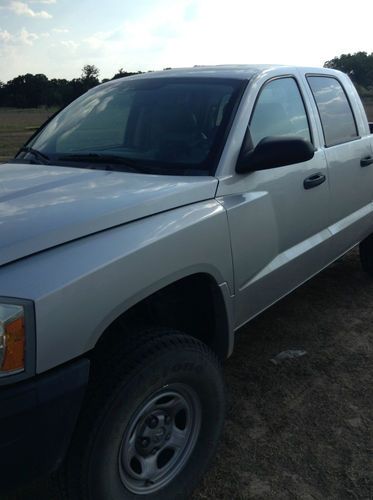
[
  {"x": 279, "y": 111},
  {"x": 335, "y": 112}
]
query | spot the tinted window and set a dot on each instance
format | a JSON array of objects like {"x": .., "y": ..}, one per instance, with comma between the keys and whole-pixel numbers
[
  {"x": 279, "y": 111},
  {"x": 165, "y": 123},
  {"x": 335, "y": 111}
]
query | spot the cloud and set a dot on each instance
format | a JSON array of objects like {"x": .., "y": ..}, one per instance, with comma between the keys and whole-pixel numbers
[
  {"x": 148, "y": 33},
  {"x": 70, "y": 44},
  {"x": 5, "y": 36},
  {"x": 47, "y": 2},
  {"x": 60, "y": 30},
  {"x": 22, "y": 9},
  {"x": 97, "y": 40},
  {"x": 146, "y": 40},
  {"x": 26, "y": 37}
]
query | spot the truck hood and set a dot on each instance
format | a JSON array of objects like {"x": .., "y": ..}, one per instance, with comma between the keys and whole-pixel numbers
[{"x": 42, "y": 206}]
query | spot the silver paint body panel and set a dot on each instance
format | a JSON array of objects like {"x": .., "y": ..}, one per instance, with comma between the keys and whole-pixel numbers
[{"x": 44, "y": 206}]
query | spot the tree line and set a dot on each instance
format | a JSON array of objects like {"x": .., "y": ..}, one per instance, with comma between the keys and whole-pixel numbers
[
  {"x": 359, "y": 67},
  {"x": 32, "y": 91}
]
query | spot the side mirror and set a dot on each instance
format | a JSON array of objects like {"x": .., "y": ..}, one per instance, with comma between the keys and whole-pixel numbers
[{"x": 273, "y": 152}]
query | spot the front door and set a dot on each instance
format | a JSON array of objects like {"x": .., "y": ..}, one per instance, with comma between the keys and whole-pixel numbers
[{"x": 278, "y": 222}]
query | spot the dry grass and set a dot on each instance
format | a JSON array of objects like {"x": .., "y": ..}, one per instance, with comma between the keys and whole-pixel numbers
[{"x": 16, "y": 126}]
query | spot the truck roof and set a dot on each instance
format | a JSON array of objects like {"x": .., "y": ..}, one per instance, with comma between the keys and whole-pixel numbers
[{"x": 239, "y": 71}]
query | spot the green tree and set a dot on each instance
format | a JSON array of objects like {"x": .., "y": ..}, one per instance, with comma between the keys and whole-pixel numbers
[
  {"x": 90, "y": 72},
  {"x": 121, "y": 74},
  {"x": 88, "y": 79},
  {"x": 358, "y": 66},
  {"x": 27, "y": 91}
]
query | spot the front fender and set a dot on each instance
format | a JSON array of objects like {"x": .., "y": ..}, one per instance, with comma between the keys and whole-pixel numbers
[{"x": 81, "y": 287}]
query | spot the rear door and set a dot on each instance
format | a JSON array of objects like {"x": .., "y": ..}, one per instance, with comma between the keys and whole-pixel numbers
[
  {"x": 278, "y": 228},
  {"x": 346, "y": 145}
]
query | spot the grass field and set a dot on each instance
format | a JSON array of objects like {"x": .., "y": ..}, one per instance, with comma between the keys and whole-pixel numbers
[
  {"x": 16, "y": 126},
  {"x": 302, "y": 429}
]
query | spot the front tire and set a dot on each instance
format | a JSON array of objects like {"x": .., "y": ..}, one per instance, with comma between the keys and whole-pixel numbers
[{"x": 152, "y": 421}]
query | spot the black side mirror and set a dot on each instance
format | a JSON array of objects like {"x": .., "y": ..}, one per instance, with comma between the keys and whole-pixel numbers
[{"x": 273, "y": 152}]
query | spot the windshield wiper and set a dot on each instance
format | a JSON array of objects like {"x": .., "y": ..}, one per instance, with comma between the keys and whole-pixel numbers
[
  {"x": 38, "y": 154},
  {"x": 127, "y": 163}
]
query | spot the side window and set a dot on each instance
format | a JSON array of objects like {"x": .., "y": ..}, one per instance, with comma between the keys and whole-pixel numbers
[
  {"x": 334, "y": 108},
  {"x": 279, "y": 110}
]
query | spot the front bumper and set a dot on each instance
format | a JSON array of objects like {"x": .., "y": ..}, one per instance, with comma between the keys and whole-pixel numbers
[{"x": 37, "y": 419}]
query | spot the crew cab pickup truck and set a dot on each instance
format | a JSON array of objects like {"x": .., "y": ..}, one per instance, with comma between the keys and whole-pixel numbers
[{"x": 141, "y": 227}]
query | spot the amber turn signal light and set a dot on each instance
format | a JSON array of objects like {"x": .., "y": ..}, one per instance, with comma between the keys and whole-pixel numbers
[{"x": 12, "y": 339}]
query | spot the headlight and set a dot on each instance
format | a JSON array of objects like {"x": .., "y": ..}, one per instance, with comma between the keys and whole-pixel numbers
[{"x": 12, "y": 339}]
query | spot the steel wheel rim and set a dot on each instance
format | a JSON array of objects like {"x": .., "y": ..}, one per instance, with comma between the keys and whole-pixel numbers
[{"x": 159, "y": 439}]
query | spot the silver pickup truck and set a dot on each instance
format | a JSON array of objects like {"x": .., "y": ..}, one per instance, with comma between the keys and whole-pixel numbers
[{"x": 140, "y": 228}]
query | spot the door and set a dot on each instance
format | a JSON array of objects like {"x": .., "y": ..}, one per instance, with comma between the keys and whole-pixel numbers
[
  {"x": 346, "y": 146},
  {"x": 278, "y": 227}
]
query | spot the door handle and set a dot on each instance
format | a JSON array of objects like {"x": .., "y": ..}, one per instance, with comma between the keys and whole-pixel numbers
[
  {"x": 365, "y": 162},
  {"x": 314, "y": 180}
]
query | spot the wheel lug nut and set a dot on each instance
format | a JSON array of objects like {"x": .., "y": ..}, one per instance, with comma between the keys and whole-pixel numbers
[
  {"x": 152, "y": 422},
  {"x": 144, "y": 442}
]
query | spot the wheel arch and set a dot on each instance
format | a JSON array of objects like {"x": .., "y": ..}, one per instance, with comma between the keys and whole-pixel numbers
[{"x": 194, "y": 304}]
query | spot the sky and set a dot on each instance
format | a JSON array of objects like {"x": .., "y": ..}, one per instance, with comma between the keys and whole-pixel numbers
[{"x": 58, "y": 37}]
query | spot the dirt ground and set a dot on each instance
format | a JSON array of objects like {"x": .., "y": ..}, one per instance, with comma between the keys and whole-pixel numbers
[{"x": 302, "y": 429}]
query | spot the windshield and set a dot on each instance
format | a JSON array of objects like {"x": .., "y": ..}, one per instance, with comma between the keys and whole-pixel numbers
[{"x": 165, "y": 125}]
